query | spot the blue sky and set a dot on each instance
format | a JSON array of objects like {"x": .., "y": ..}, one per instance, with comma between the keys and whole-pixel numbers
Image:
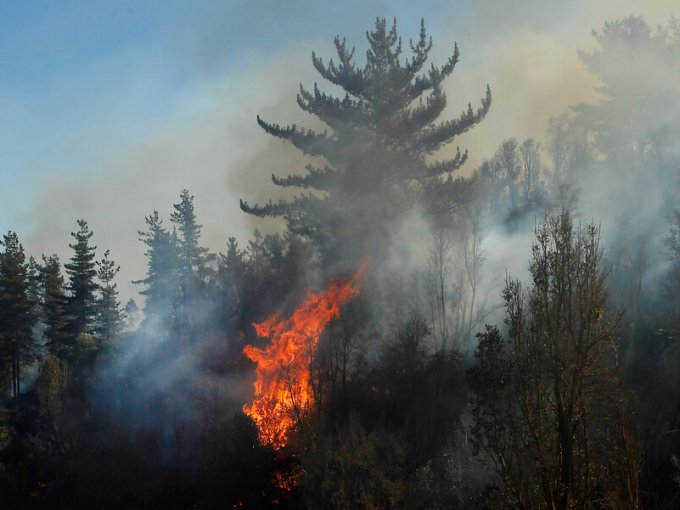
[
  {"x": 68, "y": 66},
  {"x": 109, "y": 109}
]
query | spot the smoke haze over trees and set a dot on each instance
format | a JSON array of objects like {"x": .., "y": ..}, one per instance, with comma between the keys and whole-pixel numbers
[{"x": 514, "y": 342}]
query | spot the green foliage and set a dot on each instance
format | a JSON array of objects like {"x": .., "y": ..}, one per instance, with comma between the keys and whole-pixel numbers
[
  {"x": 161, "y": 260},
  {"x": 16, "y": 315},
  {"x": 53, "y": 306},
  {"x": 191, "y": 257},
  {"x": 50, "y": 386},
  {"x": 81, "y": 301}
]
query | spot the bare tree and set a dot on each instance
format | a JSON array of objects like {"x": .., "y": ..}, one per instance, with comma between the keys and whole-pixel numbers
[
  {"x": 440, "y": 272},
  {"x": 473, "y": 258},
  {"x": 569, "y": 154},
  {"x": 454, "y": 274}
]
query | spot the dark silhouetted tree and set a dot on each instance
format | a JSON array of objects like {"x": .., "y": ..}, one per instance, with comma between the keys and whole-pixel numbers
[
  {"x": 81, "y": 300},
  {"x": 193, "y": 270},
  {"x": 633, "y": 108},
  {"x": 16, "y": 313},
  {"x": 192, "y": 258},
  {"x": 109, "y": 317},
  {"x": 233, "y": 262}
]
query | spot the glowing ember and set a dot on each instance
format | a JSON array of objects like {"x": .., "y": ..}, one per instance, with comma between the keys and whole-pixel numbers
[{"x": 283, "y": 391}]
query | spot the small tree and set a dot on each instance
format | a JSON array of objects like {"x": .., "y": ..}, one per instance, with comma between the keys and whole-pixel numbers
[
  {"x": 16, "y": 312},
  {"x": 193, "y": 270}
]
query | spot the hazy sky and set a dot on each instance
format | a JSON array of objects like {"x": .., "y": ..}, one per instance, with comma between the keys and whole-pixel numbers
[{"x": 109, "y": 109}]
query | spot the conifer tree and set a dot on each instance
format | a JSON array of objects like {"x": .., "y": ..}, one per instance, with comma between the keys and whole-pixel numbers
[
  {"x": 232, "y": 268},
  {"x": 16, "y": 312},
  {"x": 383, "y": 131},
  {"x": 193, "y": 271},
  {"x": 191, "y": 257},
  {"x": 33, "y": 275},
  {"x": 34, "y": 291},
  {"x": 160, "y": 281},
  {"x": 109, "y": 316},
  {"x": 53, "y": 304},
  {"x": 233, "y": 262},
  {"x": 80, "y": 303}
]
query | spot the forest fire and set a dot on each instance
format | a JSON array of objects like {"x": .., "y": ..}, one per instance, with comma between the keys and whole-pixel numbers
[{"x": 283, "y": 390}]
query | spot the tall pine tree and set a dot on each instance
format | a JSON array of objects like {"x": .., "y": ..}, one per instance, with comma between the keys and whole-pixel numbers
[
  {"x": 192, "y": 258},
  {"x": 16, "y": 313},
  {"x": 384, "y": 131},
  {"x": 193, "y": 270},
  {"x": 80, "y": 303},
  {"x": 160, "y": 280},
  {"x": 109, "y": 315}
]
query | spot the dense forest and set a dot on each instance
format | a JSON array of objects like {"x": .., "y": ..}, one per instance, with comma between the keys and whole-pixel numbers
[{"x": 419, "y": 334}]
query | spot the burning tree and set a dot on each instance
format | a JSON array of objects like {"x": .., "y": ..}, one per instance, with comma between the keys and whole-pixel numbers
[
  {"x": 283, "y": 389},
  {"x": 382, "y": 131}
]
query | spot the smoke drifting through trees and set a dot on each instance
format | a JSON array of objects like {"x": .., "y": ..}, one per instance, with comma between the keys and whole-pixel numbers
[
  {"x": 156, "y": 411},
  {"x": 377, "y": 147}
]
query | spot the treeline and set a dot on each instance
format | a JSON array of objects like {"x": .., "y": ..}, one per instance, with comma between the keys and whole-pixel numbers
[
  {"x": 73, "y": 320},
  {"x": 447, "y": 383}
]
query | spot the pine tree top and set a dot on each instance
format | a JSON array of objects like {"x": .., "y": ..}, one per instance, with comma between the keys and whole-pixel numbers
[{"x": 381, "y": 129}]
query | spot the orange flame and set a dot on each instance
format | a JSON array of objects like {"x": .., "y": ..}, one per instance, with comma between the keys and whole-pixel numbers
[{"x": 283, "y": 391}]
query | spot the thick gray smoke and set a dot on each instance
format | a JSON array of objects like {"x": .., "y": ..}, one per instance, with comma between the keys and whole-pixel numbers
[
  {"x": 445, "y": 262},
  {"x": 612, "y": 161}
]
